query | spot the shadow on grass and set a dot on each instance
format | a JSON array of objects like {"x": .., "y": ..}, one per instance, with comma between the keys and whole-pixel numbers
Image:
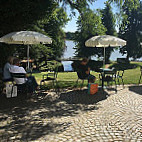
[
  {"x": 137, "y": 89},
  {"x": 124, "y": 66},
  {"x": 63, "y": 84},
  {"x": 32, "y": 119}
]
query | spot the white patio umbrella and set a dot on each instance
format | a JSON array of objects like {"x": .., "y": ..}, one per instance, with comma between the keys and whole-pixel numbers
[
  {"x": 105, "y": 41},
  {"x": 26, "y": 38}
]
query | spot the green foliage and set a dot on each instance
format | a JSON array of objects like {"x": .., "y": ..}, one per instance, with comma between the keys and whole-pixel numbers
[
  {"x": 45, "y": 17},
  {"x": 69, "y": 36},
  {"x": 108, "y": 21},
  {"x": 130, "y": 27},
  {"x": 89, "y": 25},
  {"x": 21, "y": 14},
  {"x": 68, "y": 79},
  {"x": 53, "y": 26},
  {"x": 94, "y": 65},
  {"x": 81, "y": 5}
]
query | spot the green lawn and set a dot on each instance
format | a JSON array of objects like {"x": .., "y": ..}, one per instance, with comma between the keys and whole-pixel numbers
[{"x": 68, "y": 79}]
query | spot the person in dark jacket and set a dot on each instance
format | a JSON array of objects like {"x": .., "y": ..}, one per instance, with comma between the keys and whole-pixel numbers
[{"x": 84, "y": 70}]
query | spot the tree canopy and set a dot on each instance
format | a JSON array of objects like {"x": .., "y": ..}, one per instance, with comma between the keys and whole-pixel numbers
[
  {"x": 43, "y": 16},
  {"x": 47, "y": 17},
  {"x": 88, "y": 26},
  {"x": 130, "y": 27},
  {"x": 109, "y": 22}
]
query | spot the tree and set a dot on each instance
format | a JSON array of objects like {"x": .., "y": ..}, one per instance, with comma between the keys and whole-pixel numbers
[
  {"x": 108, "y": 21},
  {"x": 43, "y": 16},
  {"x": 90, "y": 26},
  {"x": 84, "y": 33},
  {"x": 69, "y": 35},
  {"x": 130, "y": 27},
  {"x": 53, "y": 26},
  {"x": 21, "y": 15},
  {"x": 17, "y": 15},
  {"x": 81, "y": 5}
]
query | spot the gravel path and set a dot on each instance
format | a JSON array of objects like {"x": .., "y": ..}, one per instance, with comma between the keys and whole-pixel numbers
[{"x": 75, "y": 116}]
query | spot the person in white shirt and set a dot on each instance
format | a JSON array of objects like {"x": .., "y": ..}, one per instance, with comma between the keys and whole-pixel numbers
[
  {"x": 17, "y": 69},
  {"x": 30, "y": 81},
  {"x": 7, "y": 66}
]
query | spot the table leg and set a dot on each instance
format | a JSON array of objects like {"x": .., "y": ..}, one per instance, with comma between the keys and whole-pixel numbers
[{"x": 102, "y": 80}]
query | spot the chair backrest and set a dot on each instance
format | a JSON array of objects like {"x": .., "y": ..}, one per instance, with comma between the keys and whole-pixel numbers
[
  {"x": 51, "y": 74},
  {"x": 111, "y": 73},
  {"x": 18, "y": 75}
]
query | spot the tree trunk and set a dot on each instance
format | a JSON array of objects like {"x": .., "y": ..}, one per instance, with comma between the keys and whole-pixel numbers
[{"x": 127, "y": 57}]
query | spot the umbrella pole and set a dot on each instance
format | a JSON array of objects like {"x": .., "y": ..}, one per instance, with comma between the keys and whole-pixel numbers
[{"x": 28, "y": 50}]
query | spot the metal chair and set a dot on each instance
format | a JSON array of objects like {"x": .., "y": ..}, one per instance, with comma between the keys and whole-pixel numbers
[
  {"x": 140, "y": 74},
  {"x": 50, "y": 76},
  {"x": 119, "y": 76},
  {"x": 108, "y": 77},
  {"x": 17, "y": 89}
]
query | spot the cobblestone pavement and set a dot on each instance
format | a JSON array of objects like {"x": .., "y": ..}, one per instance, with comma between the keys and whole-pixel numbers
[{"x": 75, "y": 116}]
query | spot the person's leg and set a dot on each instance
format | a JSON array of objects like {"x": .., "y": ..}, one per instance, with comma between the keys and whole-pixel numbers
[
  {"x": 90, "y": 78},
  {"x": 32, "y": 83}
]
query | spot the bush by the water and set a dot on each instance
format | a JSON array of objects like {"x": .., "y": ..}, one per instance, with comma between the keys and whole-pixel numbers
[{"x": 94, "y": 65}]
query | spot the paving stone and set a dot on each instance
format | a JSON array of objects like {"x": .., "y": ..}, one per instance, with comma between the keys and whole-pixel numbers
[{"x": 71, "y": 118}]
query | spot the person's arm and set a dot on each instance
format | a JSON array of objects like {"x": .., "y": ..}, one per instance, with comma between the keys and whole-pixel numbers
[{"x": 88, "y": 71}]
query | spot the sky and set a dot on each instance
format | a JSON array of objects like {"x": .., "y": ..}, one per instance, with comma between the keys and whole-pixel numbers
[{"x": 71, "y": 26}]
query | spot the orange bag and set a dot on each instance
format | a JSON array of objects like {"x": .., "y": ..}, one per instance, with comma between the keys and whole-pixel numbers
[{"x": 92, "y": 88}]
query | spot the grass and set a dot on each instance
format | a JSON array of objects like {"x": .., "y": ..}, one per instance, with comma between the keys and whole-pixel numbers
[{"x": 68, "y": 79}]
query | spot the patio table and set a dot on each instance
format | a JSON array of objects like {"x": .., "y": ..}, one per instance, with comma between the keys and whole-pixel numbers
[{"x": 105, "y": 71}]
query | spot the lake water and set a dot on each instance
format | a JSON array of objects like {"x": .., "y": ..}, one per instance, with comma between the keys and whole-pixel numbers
[{"x": 69, "y": 52}]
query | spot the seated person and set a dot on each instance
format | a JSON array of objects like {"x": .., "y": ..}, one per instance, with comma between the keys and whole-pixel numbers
[
  {"x": 7, "y": 66},
  {"x": 84, "y": 69},
  {"x": 29, "y": 81},
  {"x": 92, "y": 86}
]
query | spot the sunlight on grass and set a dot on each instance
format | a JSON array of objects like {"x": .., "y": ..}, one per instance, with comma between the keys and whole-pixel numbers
[{"x": 68, "y": 79}]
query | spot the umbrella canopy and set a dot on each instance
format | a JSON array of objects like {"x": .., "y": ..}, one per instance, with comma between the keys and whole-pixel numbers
[
  {"x": 105, "y": 41},
  {"x": 27, "y": 38}
]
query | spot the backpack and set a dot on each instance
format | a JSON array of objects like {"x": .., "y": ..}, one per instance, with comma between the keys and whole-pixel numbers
[{"x": 92, "y": 88}]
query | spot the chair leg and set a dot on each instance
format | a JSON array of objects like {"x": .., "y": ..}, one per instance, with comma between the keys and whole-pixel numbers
[
  {"x": 115, "y": 86},
  {"x": 82, "y": 84},
  {"x": 108, "y": 84},
  {"x": 76, "y": 82},
  {"x": 40, "y": 84},
  {"x": 122, "y": 82},
  {"x": 140, "y": 78},
  {"x": 42, "y": 81},
  {"x": 53, "y": 84},
  {"x": 118, "y": 81},
  {"x": 57, "y": 89},
  {"x": 99, "y": 81}
]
